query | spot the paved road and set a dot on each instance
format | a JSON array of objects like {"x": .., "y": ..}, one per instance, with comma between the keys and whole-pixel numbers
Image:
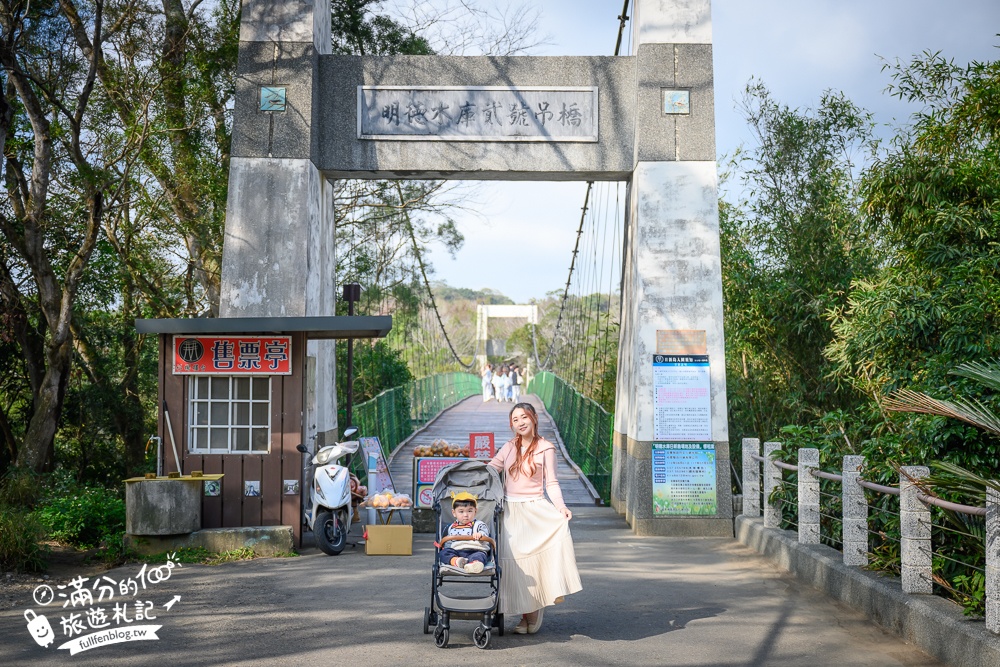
[
  {"x": 475, "y": 416},
  {"x": 646, "y": 601}
]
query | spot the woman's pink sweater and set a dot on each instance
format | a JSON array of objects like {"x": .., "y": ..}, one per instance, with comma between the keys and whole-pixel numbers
[{"x": 525, "y": 486}]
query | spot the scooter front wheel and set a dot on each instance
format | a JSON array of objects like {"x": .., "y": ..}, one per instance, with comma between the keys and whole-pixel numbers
[{"x": 330, "y": 533}]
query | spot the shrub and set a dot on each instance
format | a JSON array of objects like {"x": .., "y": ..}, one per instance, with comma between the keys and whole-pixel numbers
[
  {"x": 20, "y": 540},
  {"x": 83, "y": 516}
]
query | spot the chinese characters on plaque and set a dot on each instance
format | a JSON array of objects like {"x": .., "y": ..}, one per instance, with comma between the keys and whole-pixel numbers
[
  {"x": 684, "y": 479},
  {"x": 682, "y": 401},
  {"x": 232, "y": 355},
  {"x": 477, "y": 113}
]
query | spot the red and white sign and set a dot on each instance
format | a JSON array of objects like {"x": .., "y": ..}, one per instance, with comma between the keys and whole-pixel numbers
[
  {"x": 428, "y": 468},
  {"x": 232, "y": 355},
  {"x": 481, "y": 446}
]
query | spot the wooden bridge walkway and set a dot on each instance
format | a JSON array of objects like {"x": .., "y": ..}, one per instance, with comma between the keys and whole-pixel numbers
[{"x": 472, "y": 415}]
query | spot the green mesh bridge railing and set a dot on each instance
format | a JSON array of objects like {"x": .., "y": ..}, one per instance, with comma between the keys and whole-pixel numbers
[
  {"x": 394, "y": 414},
  {"x": 585, "y": 428}
]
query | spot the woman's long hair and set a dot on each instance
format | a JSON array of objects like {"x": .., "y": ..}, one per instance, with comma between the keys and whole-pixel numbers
[{"x": 529, "y": 453}]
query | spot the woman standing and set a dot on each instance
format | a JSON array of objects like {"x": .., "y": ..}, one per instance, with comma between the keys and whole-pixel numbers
[
  {"x": 487, "y": 382},
  {"x": 536, "y": 552}
]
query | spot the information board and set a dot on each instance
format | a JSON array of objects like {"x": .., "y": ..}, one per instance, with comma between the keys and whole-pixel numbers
[
  {"x": 425, "y": 471},
  {"x": 682, "y": 399},
  {"x": 378, "y": 470},
  {"x": 684, "y": 479}
]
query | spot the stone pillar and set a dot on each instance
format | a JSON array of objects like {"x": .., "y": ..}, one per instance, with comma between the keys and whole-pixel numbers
[
  {"x": 992, "y": 560},
  {"x": 855, "y": 530},
  {"x": 751, "y": 477},
  {"x": 673, "y": 275},
  {"x": 772, "y": 480},
  {"x": 915, "y": 527},
  {"x": 808, "y": 496},
  {"x": 278, "y": 259}
]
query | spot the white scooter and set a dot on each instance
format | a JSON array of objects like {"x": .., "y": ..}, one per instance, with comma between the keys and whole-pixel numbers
[{"x": 330, "y": 493}]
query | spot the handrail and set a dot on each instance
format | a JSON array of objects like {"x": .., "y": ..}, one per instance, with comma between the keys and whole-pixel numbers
[
  {"x": 953, "y": 507},
  {"x": 827, "y": 475},
  {"x": 892, "y": 491},
  {"x": 786, "y": 466}
]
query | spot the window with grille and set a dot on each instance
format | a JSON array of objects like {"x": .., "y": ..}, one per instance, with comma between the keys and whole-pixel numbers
[{"x": 229, "y": 414}]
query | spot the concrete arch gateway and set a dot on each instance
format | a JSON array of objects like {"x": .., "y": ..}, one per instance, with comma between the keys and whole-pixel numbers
[{"x": 304, "y": 116}]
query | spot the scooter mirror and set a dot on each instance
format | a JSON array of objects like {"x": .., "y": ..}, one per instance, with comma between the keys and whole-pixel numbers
[
  {"x": 302, "y": 448},
  {"x": 350, "y": 432}
]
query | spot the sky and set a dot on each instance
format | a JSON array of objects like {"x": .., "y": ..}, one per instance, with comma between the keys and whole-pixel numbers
[{"x": 798, "y": 49}]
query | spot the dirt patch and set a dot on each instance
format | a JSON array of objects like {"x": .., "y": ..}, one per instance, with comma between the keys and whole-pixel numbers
[{"x": 64, "y": 564}]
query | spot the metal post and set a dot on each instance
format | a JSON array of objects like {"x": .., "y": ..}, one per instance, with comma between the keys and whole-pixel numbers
[
  {"x": 808, "y": 496},
  {"x": 751, "y": 477},
  {"x": 352, "y": 293},
  {"x": 915, "y": 526},
  {"x": 855, "y": 531},
  {"x": 772, "y": 479},
  {"x": 992, "y": 560}
]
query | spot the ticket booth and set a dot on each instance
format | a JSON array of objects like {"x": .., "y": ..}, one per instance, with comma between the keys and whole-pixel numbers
[{"x": 233, "y": 398}]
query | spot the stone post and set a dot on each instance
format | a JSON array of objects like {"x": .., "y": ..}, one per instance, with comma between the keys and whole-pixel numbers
[
  {"x": 751, "y": 477},
  {"x": 808, "y": 496},
  {"x": 278, "y": 258},
  {"x": 772, "y": 480},
  {"x": 915, "y": 526},
  {"x": 673, "y": 274},
  {"x": 992, "y": 560},
  {"x": 855, "y": 524}
]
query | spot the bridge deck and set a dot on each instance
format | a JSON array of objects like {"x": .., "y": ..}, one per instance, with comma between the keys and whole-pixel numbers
[{"x": 474, "y": 416}]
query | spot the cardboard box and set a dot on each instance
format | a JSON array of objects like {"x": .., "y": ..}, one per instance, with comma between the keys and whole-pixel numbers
[{"x": 389, "y": 540}]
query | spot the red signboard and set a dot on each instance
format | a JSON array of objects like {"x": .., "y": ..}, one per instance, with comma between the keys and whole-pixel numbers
[
  {"x": 481, "y": 446},
  {"x": 232, "y": 355}
]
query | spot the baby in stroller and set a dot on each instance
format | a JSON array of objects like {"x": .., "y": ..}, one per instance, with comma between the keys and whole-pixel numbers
[
  {"x": 465, "y": 582},
  {"x": 470, "y": 552}
]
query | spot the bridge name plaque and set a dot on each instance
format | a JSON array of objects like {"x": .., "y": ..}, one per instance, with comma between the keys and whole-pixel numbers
[{"x": 477, "y": 113}]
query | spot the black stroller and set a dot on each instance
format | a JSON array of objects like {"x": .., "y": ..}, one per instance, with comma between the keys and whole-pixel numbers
[{"x": 456, "y": 594}]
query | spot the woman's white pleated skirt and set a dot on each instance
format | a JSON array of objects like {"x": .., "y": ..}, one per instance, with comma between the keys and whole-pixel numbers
[{"x": 537, "y": 560}]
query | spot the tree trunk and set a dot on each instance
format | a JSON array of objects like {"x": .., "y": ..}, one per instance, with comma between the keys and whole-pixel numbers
[{"x": 36, "y": 453}]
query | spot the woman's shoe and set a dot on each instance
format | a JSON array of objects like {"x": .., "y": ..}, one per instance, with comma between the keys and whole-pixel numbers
[
  {"x": 522, "y": 627},
  {"x": 536, "y": 626}
]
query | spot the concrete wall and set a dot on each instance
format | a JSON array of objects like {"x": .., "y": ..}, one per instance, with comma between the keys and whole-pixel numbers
[
  {"x": 673, "y": 273},
  {"x": 279, "y": 257},
  {"x": 340, "y": 153}
]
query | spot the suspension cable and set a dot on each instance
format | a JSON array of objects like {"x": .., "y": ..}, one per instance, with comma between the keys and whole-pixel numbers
[
  {"x": 427, "y": 283},
  {"x": 569, "y": 278},
  {"x": 622, "y": 20}
]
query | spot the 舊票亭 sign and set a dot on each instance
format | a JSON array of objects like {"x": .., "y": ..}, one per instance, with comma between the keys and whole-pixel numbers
[
  {"x": 682, "y": 400},
  {"x": 684, "y": 479},
  {"x": 232, "y": 355}
]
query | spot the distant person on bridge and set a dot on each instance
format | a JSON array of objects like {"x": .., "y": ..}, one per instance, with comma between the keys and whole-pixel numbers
[
  {"x": 505, "y": 383},
  {"x": 515, "y": 384},
  {"x": 498, "y": 384},
  {"x": 536, "y": 553},
  {"x": 487, "y": 382}
]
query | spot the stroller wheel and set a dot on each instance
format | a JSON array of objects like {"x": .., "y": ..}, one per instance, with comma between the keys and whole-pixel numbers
[
  {"x": 481, "y": 636},
  {"x": 441, "y": 637},
  {"x": 427, "y": 620},
  {"x": 498, "y": 623}
]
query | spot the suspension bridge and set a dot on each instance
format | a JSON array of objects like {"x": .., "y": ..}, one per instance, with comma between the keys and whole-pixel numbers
[{"x": 627, "y": 364}]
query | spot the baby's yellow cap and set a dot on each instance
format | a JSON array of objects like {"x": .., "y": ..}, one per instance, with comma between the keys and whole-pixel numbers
[{"x": 462, "y": 495}]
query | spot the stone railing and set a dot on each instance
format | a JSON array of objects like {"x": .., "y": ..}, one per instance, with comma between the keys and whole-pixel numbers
[{"x": 764, "y": 473}]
